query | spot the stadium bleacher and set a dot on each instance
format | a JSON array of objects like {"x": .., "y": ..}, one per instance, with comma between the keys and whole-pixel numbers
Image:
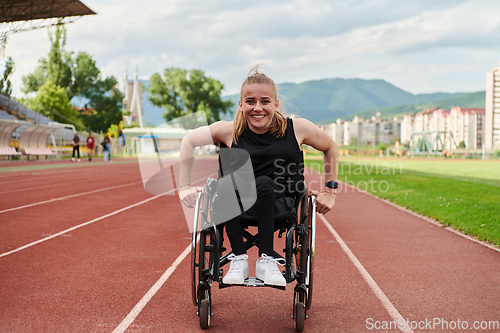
[
  {"x": 38, "y": 130},
  {"x": 5, "y": 115}
]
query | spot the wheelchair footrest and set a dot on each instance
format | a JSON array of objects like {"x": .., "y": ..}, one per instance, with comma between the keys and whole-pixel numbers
[
  {"x": 250, "y": 282},
  {"x": 253, "y": 282}
]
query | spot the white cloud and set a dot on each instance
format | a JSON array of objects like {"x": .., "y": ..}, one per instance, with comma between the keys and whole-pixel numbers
[{"x": 421, "y": 46}]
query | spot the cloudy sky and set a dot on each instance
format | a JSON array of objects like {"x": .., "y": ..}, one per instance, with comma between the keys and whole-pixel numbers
[{"x": 421, "y": 46}]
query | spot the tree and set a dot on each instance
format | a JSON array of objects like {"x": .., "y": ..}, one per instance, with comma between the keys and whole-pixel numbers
[
  {"x": 78, "y": 76},
  {"x": 52, "y": 101},
  {"x": 5, "y": 84},
  {"x": 182, "y": 92},
  {"x": 85, "y": 75},
  {"x": 106, "y": 103},
  {"x": 56, "y": 68}
]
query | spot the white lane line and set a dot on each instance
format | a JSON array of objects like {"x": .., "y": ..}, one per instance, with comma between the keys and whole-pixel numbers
[
  {"x": 393, "y": 312},
  {"x": 67, "y": 197},
  {"x": 428, "y": 219},
  {"x": 53, "y": 185},
  {"x": 90, "y": 222},
  {"x": 154, "y": 289},
  {"x": 78, "y": 226}
]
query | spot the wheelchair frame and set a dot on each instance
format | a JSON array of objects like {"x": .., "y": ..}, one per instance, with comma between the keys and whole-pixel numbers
[{"x": 207, "y": 248}]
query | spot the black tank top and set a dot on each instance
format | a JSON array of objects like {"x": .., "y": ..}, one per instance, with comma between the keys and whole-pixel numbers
[{"x": 278, "y": 158}]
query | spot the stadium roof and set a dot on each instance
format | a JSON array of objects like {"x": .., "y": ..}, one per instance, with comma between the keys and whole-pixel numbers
[{"x": 25, "y": 10}]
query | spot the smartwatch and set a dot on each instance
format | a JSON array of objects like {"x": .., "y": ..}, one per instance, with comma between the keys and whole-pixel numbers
[{"x": 332, "y": 184}]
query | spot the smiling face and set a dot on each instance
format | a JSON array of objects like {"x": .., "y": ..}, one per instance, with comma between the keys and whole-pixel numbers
[{"x": 258, "y": 104}]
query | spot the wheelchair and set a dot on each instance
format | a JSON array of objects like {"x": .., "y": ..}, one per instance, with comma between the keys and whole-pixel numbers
[{"x": 208, "y": 255}]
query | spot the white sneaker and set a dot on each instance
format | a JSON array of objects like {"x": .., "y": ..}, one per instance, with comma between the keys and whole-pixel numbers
[
  {"x": 78, "y": 160},
  {"x": 238, "y": 269},
  {"x": 266, "y": 269},
  {"x": 72, "y": 160}
]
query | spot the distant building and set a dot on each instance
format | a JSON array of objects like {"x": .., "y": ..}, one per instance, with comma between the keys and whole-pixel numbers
[
  {"x": 362, "y": 132},
  {"x": 132, "y": 101},
  {"x": 492, "y": 113},
  {"x": 464, "y": 124},
  {"x": 407, "y": 128},
  {"x": 356, "y": 132},
  {"x": 467, "y": 125},
  {"x": 439, "y": 121},
  {"x": 422, "y": 120},
  {"x": 347, "y": 133},
  {"x": 336, "y": 131}
]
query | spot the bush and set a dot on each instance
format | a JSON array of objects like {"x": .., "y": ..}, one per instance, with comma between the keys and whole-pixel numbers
[{"x": 381, "y": 146}]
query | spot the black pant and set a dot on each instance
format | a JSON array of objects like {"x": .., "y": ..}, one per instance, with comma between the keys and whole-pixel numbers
[
  {"x": 77, "y": 149},
  {"x": 264, "y": 210}
]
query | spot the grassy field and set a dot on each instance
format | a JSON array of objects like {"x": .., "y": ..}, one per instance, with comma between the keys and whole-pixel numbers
[{"x": 464, "y": 195}]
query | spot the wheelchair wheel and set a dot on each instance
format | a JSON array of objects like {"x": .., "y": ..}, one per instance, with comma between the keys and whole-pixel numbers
[
  {"x": 311, "y": 251},
  {"x": 207, "y": 253},
  {"x": 203, "y": 267},
  {"x": 195, "y": 254},
  {"x": 299, "y": 309},
  {"x": 204, "y": 311},
  {"x": 306, "y": 248},
  {"x": 300, "y": 316}
]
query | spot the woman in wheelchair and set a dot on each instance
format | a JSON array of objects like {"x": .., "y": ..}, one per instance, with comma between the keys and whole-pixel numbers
[{"x": 274, "y": 145}]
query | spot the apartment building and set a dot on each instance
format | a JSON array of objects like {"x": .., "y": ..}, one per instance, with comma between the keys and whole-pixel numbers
[
  {"x": 492, "y": 113},
  {"x": 335, "y": 131},
  {"x": 407, "y": 128},
  {"x": 422, "y": 120},
  {"x": 467, "y": 125},
  {"x": 464, "y": 124},
  {"x": 361, "y": 131},
  {"x": 347, "y": 133}
]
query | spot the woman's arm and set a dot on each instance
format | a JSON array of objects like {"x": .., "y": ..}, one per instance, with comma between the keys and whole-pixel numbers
[
  {"x": 309, "y": 134},
  {"x": 220, "y": 131}
]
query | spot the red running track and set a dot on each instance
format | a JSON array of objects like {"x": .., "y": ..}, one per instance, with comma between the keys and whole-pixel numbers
[{"x": 81, "y": 249}]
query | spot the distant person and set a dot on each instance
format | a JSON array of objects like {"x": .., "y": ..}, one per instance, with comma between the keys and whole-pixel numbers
[
  {"x": 76, "y": 147},
  {"x": 90, "y": 146},
  {"x": 106, "y": 145},
  {"x": 121, "y": 137}
]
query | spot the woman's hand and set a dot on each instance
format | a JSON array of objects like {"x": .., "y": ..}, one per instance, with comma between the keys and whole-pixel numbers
[
  {"x": 189, "y": 194},
  {"x": 324, "y": 201}
]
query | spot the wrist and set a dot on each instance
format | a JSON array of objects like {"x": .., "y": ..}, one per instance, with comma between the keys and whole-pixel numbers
[
  {"x": 328, "y": 190},
  {"x": 330, "y": 186}
]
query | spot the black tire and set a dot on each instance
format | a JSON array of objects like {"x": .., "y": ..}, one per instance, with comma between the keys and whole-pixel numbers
[
  {"x": 311, "y": 253},
  {"x": 194, "y": 268},
  {"x": 205, "y": 313},
  {"x": 300, "y": 316},
  {"x": 195, "y": 248},
  {"x": 301, "y": 240}
]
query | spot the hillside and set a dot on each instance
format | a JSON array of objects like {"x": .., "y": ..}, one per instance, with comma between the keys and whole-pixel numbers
[
  {"x": 327, "y": 99},
  {"x": 323, "y": 101},
  {"x": 466, "y": 100}
]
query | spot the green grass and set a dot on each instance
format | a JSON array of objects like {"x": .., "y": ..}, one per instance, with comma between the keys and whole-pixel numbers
[
  {"x": 459, "y": 194},
  {"x": 486, "y": 172}
]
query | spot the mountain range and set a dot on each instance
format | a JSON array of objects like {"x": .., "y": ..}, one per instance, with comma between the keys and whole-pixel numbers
[{"x": 323, "y": 101}]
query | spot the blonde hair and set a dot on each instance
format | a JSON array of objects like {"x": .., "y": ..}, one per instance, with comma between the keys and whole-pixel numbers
[{"x": 278, "y": 123}]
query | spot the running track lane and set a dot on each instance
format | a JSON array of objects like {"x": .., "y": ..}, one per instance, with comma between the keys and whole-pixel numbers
[
  {"x": 417, "y": 238},
  {"x": 68, "y": 278},
  {"x": 342, "y": 299}
]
